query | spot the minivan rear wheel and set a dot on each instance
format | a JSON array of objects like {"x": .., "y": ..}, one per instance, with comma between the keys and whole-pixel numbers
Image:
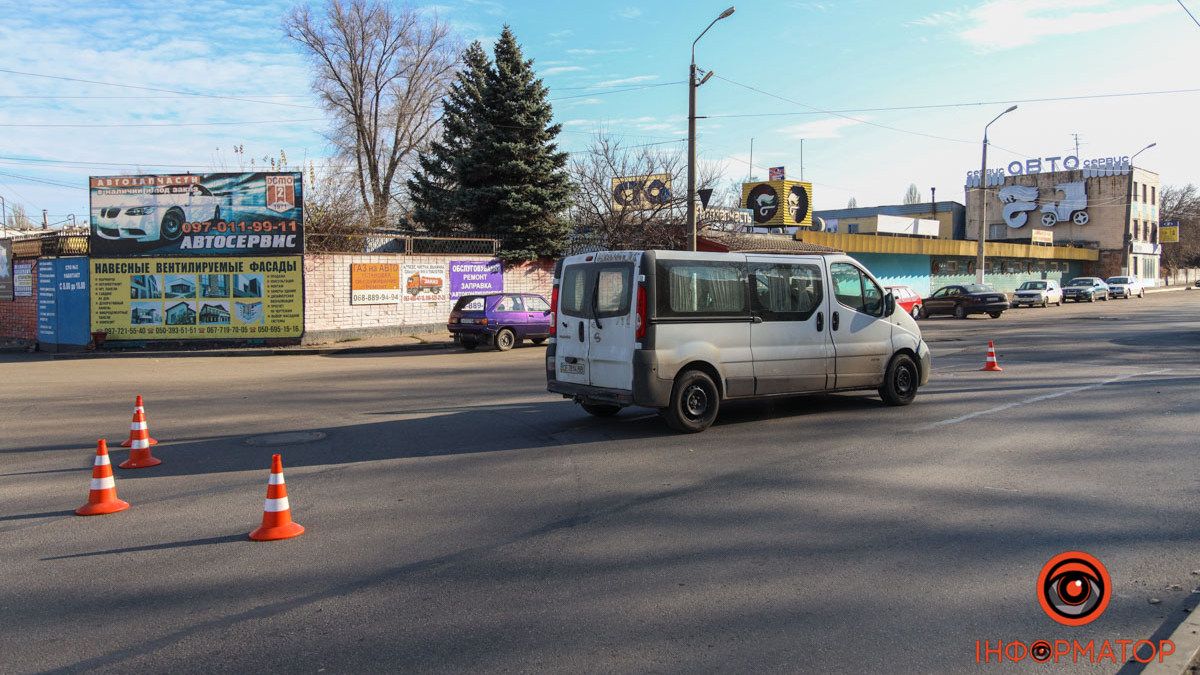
[
  {"x": 694, "y": 404},
  {"x": 901, "y": 380}
]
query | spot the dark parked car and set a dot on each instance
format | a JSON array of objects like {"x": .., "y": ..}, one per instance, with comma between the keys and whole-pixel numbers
[
  {"x": 1086, "y": 289},
  {"x": 501, "y": 319},
  {"x": 964, "y": 300}
]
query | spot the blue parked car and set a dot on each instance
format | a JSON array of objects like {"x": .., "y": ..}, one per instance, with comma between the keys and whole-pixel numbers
[{"x": 501, "y": 319}]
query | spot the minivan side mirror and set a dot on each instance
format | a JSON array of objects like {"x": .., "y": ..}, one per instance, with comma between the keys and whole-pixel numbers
[{"x": 889, "y": 304}]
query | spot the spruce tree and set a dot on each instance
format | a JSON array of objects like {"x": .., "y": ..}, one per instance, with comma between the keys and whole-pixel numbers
[
  {"x": 442, "y": 170},
  {"x": 516, "y": 184}
]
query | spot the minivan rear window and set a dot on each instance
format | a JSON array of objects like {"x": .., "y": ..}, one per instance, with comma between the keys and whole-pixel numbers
[
  {"x": 572, "y": 291},
  {"x": 688, "y": 288}
]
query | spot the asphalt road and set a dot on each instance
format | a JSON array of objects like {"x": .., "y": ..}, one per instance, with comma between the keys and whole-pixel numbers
[{"x": 460, "y": 518}]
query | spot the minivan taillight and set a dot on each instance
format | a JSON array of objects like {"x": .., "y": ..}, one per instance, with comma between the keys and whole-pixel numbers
[
  {"x": 554, "y": 310},
  {"x": 641, "y": 312}
]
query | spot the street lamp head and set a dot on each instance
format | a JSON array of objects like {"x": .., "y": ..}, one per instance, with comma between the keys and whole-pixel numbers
[
  {"x": 727, "y": 13},
  {"x": 1012, "y": 108}
]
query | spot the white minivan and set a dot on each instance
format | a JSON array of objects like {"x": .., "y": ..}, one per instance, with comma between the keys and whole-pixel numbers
[{"x": 682, "y": 332}]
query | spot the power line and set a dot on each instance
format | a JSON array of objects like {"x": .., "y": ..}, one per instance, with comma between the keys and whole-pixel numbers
[
  {"x": 860, "y": 120},
  {"x": 156, "y": 89},
  {"x": 962, "y": 104},
  {"x": 42, "y": 180},
  {"x": 72, "y": 125},
  {"x": 1189, "y": 12},
  {"x": 617, "y": 91}
]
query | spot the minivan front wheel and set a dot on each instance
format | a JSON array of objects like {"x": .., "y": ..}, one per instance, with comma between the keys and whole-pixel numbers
[
  {"x": 901, "y": 380},
  {"x": 694, "y": 403}
]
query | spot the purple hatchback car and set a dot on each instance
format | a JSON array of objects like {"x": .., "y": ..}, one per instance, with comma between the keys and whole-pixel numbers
[{"x": 503, "y": 319}]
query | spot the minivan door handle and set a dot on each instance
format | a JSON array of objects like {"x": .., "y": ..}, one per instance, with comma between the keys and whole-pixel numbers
[
  {"x": 820, "y": 321},
  {"x": 833, "y": 321},
  {"x": 581, "y": 331}
]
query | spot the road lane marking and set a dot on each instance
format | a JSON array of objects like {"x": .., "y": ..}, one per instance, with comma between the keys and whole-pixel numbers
[{"x": 1036, "y": 399}]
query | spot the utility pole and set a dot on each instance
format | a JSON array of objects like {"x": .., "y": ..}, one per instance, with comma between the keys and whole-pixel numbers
[
  {"x": 45, "y": 220},
  {"x": 1076, "y": 145},
  {"x": 979, "y": 254},
  {"x": 750, "y": 171},
  {"x": 692, "y": 86},
  {"x": 801, "y": 159}
]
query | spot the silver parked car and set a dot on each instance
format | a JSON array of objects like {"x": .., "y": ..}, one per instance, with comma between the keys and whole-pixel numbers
[
  {"x": 1086, "y": 289},
  {"x": 1125, "y": 287},
  {"x": 1037, "y": 294}
]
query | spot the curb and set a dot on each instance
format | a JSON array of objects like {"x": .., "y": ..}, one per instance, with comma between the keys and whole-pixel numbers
[
  {"x": 1186, "y": 637},
  {"x": 282, "y": 351}
]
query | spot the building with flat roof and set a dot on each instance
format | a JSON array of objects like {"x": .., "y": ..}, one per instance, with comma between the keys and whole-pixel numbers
[
  {"x": 950, "y": 218},
  {"x": 1106, "y": 205}
]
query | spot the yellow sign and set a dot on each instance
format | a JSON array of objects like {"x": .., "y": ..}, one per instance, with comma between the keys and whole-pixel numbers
[
  {"x": 1168, "y": 234},
  {"x": 374, "y": 283},
  {"x": 1041, "y": 237},
  {"x": 779, "y": 203},
  {"x": 642, "y": 193},
  {"x": 197, "y": 298}
]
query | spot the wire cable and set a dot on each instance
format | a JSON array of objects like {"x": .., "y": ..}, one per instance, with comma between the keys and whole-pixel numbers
[{"x": 1189, "y": 13}]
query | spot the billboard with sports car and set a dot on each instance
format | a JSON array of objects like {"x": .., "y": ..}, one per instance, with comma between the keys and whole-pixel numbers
[{"x": 260, "y": 213}]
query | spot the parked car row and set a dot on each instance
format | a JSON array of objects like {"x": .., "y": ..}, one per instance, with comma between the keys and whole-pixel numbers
[{"x": 963, "y": 300}]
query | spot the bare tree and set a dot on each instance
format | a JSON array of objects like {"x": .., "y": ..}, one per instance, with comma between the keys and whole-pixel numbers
[
  {"x": 913, "y": 194},
  {"x": 381, "y": 73},
  {"x": 852, "y": 203},
  {"x": 656, "y": 224},
  {"x": 18, "y": 219},
  {"x": 1181, "y": 203}
]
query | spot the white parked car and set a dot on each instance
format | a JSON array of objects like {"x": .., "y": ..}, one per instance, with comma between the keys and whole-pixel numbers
[
  {"x": 158, "y": 217},
  {"x": 684, "y": 332},
  {"x": 1037, "y": 294},
  {"x": 1125, "y": 287}
]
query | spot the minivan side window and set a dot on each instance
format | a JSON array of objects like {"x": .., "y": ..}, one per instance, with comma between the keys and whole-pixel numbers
[
  {"x": 786, "y": 292},
  {"x": 701, "y": 288},
  {"x": 856, "y": 290},
  {"x": 571, "y": 292}
]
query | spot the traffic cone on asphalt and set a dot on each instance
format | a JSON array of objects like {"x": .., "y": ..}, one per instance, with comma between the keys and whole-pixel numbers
[
  {"x": 139, "y": 440},
  {"x": 138, "y": 424},
  {"x": 277, "y": 513},
  {"x": 991, "y": 363},
  {"x": 102, "y": 496}
]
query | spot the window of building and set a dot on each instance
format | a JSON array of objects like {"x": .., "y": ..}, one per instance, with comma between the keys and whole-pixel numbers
[
  {"x": 1154, "y": 233},
  {"x": 1153, "y": 196},
  {"x": 1133, "y": 198},
  {"x": 996, "y": 231},
  {"x": 1143, "y": 193},
  {"x": 852, "y": 228},
  {"x": 1137, "y": 229}
]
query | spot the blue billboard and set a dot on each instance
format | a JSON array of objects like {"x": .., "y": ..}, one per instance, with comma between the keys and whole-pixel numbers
[{"x": 64, "y": 307}]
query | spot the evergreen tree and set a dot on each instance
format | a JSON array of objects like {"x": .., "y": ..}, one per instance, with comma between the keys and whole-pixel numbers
[
  {"x": 442, "y": 171},
  {"x": 516, "y": 184}
]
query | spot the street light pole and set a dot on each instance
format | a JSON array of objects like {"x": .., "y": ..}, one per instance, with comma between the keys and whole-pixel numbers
[
  {"x": 691, "y": 162},
  {"x": 979, "y": 256},
  {"x": 1129, "y": 208}
]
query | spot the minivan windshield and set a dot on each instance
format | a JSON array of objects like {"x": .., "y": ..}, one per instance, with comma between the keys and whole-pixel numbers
[{"x": 1033, "y": 286}]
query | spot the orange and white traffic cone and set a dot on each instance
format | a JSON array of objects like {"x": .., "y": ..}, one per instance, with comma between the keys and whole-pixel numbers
[
  {"x": 102, "y": 496},
  {"x": 138, "y": 425},
  {"x": 277, "y": 512},
  {"x": 139, "y": 440},
  {"x": 991, "y": 364}
]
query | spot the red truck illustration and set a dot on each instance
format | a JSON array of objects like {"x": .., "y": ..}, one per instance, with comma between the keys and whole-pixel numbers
[{"x": 417, "y": 283}]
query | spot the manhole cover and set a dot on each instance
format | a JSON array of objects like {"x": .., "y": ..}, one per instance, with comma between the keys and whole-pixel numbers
[{"x": 287, "y": 438}]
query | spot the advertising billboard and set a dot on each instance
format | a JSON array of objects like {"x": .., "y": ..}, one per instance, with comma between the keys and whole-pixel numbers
[
  {"x": 642, "y": 193},
  {"x": 241, "y": 214},
  {"x": 374, "y": 283},
  {"x": 425, "y": 282},
  {"x": 197, "y": 298},
  {"x": 1167, "y": 234},
  {"x": 468, "y": 277},
  {"x": 62, "y": 291},
  {"x": 6, "y": 269},
  {"x": 780, "y": 203},
  {"x": 22, "y": 279}
]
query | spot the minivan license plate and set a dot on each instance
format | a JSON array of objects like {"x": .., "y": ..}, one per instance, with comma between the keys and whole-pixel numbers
[{"x": 571, "y": 368}]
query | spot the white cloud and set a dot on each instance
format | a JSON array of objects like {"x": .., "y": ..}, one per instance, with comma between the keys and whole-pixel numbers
[
  {"x": 829, "y": 127},
  {"x": 636, "y": 79},
  {"x": 562, "y": 69},
  {"x": 629, "y": 13},
  {"x": 1004, "y": 24}
]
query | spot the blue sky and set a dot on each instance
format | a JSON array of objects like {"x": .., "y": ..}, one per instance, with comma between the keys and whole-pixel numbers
[{"x": 807, "y": 56}]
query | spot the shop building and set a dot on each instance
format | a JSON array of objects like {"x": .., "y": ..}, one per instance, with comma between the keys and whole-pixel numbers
[
  {"x": 942, "y": 220},
  {"x": 1106, "y": 205}
]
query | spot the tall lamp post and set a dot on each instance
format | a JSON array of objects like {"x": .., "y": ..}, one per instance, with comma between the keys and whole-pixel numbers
[
  {"x": 1129, "y": 208},
  {"x": 979, "y": 257},
  {"x": 691, "y": 167}
]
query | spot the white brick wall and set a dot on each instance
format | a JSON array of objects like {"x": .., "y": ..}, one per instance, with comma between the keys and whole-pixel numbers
[{"x": 329, "y": 316}]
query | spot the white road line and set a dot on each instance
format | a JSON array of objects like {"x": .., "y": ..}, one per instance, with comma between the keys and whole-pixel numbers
[{"x": 1035, "y": 399}]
